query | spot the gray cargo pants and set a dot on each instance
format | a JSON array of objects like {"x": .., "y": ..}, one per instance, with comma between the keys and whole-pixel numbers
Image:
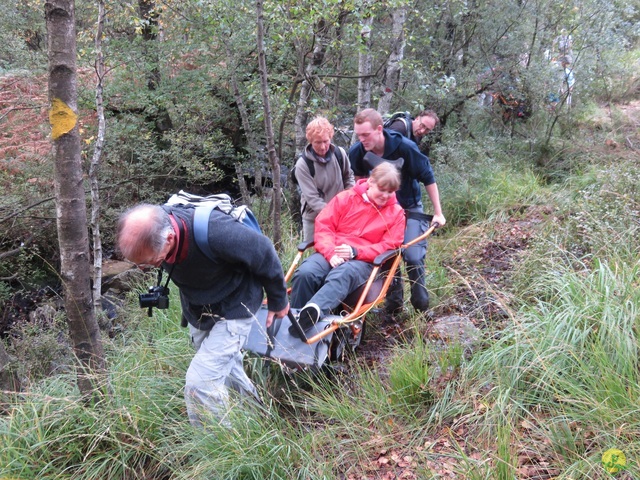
[{"x": 216, "y": 367}]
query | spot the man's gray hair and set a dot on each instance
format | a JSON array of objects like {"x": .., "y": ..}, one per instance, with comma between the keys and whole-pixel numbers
[{"x": 143, "y": 227}]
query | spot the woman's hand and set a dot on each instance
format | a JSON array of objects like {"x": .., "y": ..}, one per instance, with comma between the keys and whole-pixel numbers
[{"x": 336, "y": 260}]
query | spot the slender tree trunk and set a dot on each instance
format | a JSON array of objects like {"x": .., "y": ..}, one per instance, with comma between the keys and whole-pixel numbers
[
  {"x": 469, "y": 25},
  {"x": 147, "y": 10},
  {"x": 268, "y": 126},
  {"x": 364, "y": 68},
  {"x": 248, "y": 131},
  {"x": 95, "y": 165},
  {"x": 301, "y": 118},
  {"x": 242, "y": 184},
  {"x": 364, "y": 65},
  {"x": 71, "y": 209},
  {"x": 150, "y": 13},
  {"x": 394, "y": 63},
  {"x": 339, "y": 35},
  {"x": 319, "y": 51}
]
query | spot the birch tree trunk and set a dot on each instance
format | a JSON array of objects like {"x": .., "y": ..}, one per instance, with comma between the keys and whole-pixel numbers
[
  {"x": 268, "y": 127},
  {"x": 71, "y": 209},
  {"x": 364, "y": 65},
  {"x": 95, "y": 165},
  {"x": 364, "y": 69},
  {"x": 394, "y": 63}
]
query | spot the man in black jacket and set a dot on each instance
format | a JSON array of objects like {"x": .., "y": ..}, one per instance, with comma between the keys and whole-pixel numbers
[
  {"x": 416, "y": 169},
  {"x": 219, "y": 296}
]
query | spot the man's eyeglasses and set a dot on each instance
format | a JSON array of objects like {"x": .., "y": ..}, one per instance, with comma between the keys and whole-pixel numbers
[{"x": 423, "y": 129}]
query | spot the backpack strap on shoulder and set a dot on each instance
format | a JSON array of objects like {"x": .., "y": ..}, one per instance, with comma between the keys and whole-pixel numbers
[
  {"x": 312, "y": 171},
  {"x": 339, "y": 157},
  {"x": 201, "y": 228},
  {"x": 408, "y": 126},
  {"x": 310, "y": 166}
]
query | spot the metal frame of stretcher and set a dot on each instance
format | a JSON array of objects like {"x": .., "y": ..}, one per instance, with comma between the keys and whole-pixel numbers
[{"x": 333, "y": 334}]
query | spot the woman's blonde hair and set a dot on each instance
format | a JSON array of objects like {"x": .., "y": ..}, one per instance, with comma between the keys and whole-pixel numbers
[
  {"x": 319, "y": 126},
  {"x": 386, "y": 177}
]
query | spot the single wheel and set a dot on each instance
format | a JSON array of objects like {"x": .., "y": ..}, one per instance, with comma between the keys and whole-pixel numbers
[
  {"x": 345, "y": 340},
  {"x": 338, "y": 343}
]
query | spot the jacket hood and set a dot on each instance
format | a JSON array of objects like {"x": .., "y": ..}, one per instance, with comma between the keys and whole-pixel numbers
[
  {"x": 392, "y": 141},
  {"x": 361, "y": 188},
  {"x": 311, "y": 154}
]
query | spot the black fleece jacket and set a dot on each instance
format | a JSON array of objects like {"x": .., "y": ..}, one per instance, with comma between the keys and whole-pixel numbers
[{"x": 230, "y": 286}]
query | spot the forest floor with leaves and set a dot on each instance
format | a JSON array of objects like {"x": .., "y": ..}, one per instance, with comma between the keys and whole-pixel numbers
[{"x": 485, "y": 268}]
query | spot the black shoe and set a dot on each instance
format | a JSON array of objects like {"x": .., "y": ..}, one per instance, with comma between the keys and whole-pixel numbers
[
  {"x": 397, "y": 317},
  {"x": 307, "y": 318},
  {"x": 395, "y": 297}
]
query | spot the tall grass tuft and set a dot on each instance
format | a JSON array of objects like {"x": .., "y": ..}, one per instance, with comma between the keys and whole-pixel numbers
[
  {"x": 478, "y": 186},
  {"x": 140, "y": 430},
  {"x": 573, "y": 357},
  {"x": 410, "y": 373}
]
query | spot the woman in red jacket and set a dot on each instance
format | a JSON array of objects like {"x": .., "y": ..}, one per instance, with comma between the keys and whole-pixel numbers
[{"x": 355, "y": 227}]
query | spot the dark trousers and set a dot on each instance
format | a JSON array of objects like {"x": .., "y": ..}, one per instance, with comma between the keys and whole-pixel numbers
[
  {"x": 316, "y": 282},
  {"x": 414, "y": 264}
]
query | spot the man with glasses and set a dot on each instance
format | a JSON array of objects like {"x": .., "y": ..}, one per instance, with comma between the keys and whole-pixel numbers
[
  {"x": 416, "y": 128},
  {"x": 416, "y": 169}
]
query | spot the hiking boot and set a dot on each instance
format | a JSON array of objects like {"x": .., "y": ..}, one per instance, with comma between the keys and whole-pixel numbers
[
  {"x": 394, "y": 298},
  {"x": 395, "y": 311},
  {"x": 396, "y": 317}
]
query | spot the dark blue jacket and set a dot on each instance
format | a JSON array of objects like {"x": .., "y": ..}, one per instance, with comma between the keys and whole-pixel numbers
[{"x": 416, "y": 168}]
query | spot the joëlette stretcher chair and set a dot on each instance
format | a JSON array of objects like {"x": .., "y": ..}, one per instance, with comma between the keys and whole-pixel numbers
[{"x": 333, "y": 334}]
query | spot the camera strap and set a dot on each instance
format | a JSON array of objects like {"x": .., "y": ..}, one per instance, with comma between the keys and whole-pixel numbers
[{"x": 160, "y": 270}]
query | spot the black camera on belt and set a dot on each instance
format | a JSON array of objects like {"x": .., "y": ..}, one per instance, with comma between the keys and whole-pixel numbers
[{"x": 157, "y": 297}]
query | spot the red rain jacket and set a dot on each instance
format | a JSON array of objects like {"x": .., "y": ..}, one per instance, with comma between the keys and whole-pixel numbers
[{"x": 350, "y": 218}]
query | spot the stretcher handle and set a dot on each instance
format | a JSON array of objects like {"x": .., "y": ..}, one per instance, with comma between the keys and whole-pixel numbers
[
  {"x": 384, "y": 256},
  {"x": 302, "y": 246},
  {"x": 426, "y": 234},
  {"x": 331, "y": 328}
]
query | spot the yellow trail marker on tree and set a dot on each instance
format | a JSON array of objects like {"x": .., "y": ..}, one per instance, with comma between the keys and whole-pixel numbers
[{"x": 61, "y": 118}]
